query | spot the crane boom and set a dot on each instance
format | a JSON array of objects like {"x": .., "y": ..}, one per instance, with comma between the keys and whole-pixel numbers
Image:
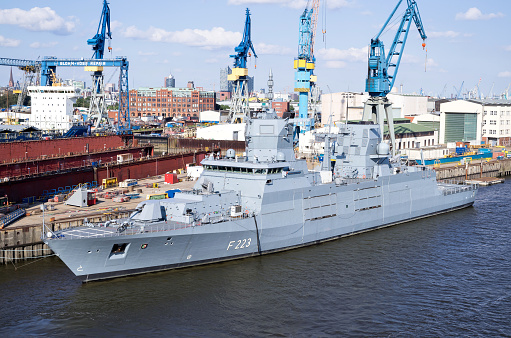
[
  {"x": 382, "y": 70},
  {"x": 239, "y": 106},
  {"x": 245, "y": 46},
  {"x": 98, "y": 41}
]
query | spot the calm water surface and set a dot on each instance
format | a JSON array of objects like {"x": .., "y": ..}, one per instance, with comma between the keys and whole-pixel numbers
[{"x": 448, "y": 275}]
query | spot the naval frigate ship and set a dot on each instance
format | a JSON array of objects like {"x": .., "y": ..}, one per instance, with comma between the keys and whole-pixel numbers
[{"x": 263, "y": 202}]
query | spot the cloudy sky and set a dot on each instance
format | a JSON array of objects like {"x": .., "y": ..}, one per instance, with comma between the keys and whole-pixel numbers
[{"x": 468, "y": 40}]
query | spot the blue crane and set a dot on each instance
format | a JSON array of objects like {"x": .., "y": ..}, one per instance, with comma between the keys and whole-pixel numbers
[
  {"x": 98, "y": 110},
  {"x": 239, "y": 105},
  {"x": 382, "y": 70},
  {"x": 245, "y": 46},
  {"x": 458, "y": 92},
  {"x": 98, "y": 41},
  {"x": 305, "y": 63}
]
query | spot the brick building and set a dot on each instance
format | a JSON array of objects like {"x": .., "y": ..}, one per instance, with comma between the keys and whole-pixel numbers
[
  {"x": 280, "y": 107},
  {"x": 170, "y": 102}
]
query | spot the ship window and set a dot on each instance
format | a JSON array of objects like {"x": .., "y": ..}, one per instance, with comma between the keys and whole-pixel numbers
[
  {"x": 119, "y": 249},
  {"x": 260, "y": 171}
]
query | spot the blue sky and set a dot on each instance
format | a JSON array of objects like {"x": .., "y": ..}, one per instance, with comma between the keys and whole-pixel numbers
[{"x": 468, "y": 40}]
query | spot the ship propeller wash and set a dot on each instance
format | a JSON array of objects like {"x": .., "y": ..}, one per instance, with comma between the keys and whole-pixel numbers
[{"x": 262, "y": 202}]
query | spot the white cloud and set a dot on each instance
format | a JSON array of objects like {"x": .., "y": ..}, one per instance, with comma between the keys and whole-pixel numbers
[
  {"x": 38, "y": 19},
  {"x": 335, "y": 64},
  {"x": 211, "y": 60},
  {"x": 217, "y": 37},
  {"x": 508, "y": 48},
  {"x": 504, "y": 74},
  {"x": 147, "y": 53},
  {"x": 43, "y": 45},
  {"x": 287, "y": 3},
  {"x": 431, "y": 63},
  {"x": 367, "y": 13},
  {"x": 351, "y": 54},
  {"x": 333, "y": 4},
  {"x": 6, "y": 42},
  {"x": 262, "y": 48},
  {"x": 447, "y": 34},
  {"x": 298, "y": 4},
  {"x": 409, "y": 59},
  {"x": 475, "y": 14},
  {"x": 114, "y": 25}
]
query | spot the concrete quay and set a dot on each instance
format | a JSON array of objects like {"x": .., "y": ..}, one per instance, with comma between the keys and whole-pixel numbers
[{"x": 474, "y": 170}]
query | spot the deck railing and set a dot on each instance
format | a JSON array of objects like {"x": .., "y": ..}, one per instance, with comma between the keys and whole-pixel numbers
[{"x": 100, "y": 231}]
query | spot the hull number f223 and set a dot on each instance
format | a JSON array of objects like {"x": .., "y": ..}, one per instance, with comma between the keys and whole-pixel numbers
[{"x": 239, "y": 244}]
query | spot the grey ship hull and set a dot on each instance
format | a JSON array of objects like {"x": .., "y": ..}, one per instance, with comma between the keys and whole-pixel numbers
[{"x": 288, "y": 219}]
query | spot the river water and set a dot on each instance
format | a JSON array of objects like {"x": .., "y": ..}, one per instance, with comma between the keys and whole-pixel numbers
[{"x": 448, "y": 275}]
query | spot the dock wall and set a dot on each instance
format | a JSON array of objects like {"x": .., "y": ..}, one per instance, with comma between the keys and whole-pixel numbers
[
  {"x": 171, "y": 145},
  {"x": 496, "y": 168},
  {"x": 21, "y": 243},
  {"x": 23, "y": 150},
  {"x": 35, "y": 185},
  {"x": 13, "y": 170}
]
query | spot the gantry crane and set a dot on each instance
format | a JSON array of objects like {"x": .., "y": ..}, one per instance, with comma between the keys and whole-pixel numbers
[
  {"x": 29, "y": 79},
  {"x": 239, "y": 105},
  {"x": 98, "y": 112},
  {"x": 305, "y": 64},
  {"x": 382, "y": 69}
]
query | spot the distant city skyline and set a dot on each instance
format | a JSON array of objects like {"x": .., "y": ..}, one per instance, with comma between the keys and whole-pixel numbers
[{"x": 467, "y": 41}]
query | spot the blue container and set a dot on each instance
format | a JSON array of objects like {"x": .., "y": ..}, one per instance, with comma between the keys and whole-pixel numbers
[{"x": 171, "y": 193}]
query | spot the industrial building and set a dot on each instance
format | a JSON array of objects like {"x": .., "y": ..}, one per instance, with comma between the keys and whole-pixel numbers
[
  {"x": 230, "y": 132},
  {"x": 336, "y": 106},
  {"x": 476, "y": 121},
  {"x": 170, "y": 102},
  {"x": 408, "y": 136}
]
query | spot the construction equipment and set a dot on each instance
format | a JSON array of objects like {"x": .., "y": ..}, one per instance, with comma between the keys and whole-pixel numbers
[
  {"x": 305, "y": 64},
  {"x": 98, "y": 113},
  {"x": 49, "y": 64},
  {"x": 29, "y": 72},
  {"x": 239, "y": 107},
  {"x": 382, "y": 69},
  {"x": 458, "y": 91}
]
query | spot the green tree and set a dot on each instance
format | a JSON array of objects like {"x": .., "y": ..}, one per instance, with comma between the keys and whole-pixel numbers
[
  {"x": 113, "y": 106},
  {"x": 222, "y": 107},
  {"x": 13, "y": 100},
  {"x": 81, "y": 102}
]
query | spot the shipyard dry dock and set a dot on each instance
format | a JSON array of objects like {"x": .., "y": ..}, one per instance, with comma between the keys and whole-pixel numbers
[{"x": 22, "y": 239}]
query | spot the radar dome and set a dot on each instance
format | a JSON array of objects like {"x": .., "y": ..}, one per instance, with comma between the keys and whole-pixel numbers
[
  {"x": 281, "y": 157},
  {"x": 383, "y": 149}
]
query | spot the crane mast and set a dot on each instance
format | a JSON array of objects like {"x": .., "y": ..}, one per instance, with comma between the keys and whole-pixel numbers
[
  {"x": 305, "y": 64},
  {"x": 98, "y": 112},
  {"x": 239, "y": 107},
  {"x": 382, "y": 69}
]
